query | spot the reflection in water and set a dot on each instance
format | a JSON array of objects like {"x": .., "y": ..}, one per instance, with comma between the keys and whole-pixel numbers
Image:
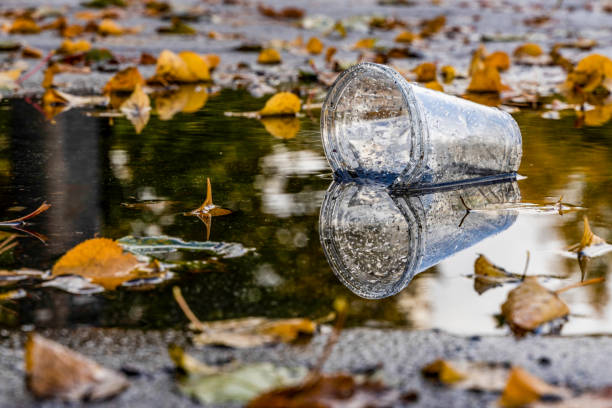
[{"x": 376, "y": 241}]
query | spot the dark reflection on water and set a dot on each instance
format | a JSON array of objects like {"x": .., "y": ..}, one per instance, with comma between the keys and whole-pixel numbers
[
  {"x": 89, "y": 169},
  {"x": 377, "y": 241}
]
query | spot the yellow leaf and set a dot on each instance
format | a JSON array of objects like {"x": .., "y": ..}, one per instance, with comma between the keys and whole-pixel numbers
[
  {"x": 435, "y": 85},
  {"x": 187, "y": 98},
  {"x": 477, "y": 62},
  {"x": 137, "y": 108},
  {"x": 101, "y": 261},
  {"x": 186, "y": 67},
  {"x": 24, "y": 25},
  {"x": 443, "y": 371},
  {"x": 74, "y": 47},
  {"x": 281, "y": 127},
  {"x": 588, "y": 238},
  {"x": 54, "y": 371},
  {"x": 365, "y": 43},
  {"x": 404, "y": 37},
  {"x": 282, "y": 103},
  {"x": 10, "y": 75},
  {"x": 485, "y": 80},
  {"x": 529, "y": 50},
  {"x": 110, "y": 27},
  {"x": 591, "y": 72},
  {"x": 288, "y": 330},
  {"x": 431, "y": 27},
  {"x": 314, "y": 46},
  {"x": 124, "y": 81},
  {"x": 72, "y": 31},
  {"x": 212, "y": 60},
  {"x": 598, "y": 116},
  {"x": 52, "y": 98},
  {"x": 523, "y": 388},
  {"x": 269, "y": 56},
  {"x": 499, "y": 60},
  {"x": 425, "y": 72},
  {"x": 85, "y": 15},
  {"x": 448, "y": 73},
  {"x": 196, "y": 65}
]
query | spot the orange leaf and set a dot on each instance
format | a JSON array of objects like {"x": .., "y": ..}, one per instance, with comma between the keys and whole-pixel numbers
[
  {"x": 528, "y": 49},
  {"x": 425, "y": 72},
  {"x": 404, "y": 37},
  {"x": 485, "y": 80},
  {"x": 269, "y": 56},
  {"x": 523, "y": 388},
  {"x": 314, "y": 46},
  {"x": 124, "y": 81},
  {"x": 24, "y": 25},
  {"x": 499, "y": 60},
  {"x": 282, "y": 103}
]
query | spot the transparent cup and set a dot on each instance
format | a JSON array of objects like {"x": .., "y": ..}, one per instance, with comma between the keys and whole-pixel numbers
[
  {"x": 376, "y": 241},
  {"x": 376, "y": 125}
]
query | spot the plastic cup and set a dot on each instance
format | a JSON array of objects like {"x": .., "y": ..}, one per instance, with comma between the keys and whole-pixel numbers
[
  {"x": 376, "y": 125},
  {"x": 376, "y": 242}
]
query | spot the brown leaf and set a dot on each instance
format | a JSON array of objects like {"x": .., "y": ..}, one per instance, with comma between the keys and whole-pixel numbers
[
  {"x": 125, "y": 80},
  {"x": 137, "y": 108},
  {"x": 425, "y": 72},
  {"x": 404, "y": 37},
  {"x": 486, "y": 79},
  {"x": 314, "y": 46},
  {"x": 281, "y": 104},
  {"x": 100, "y": 260},
  {"x": 530, "y": 305},
  {"x": 329, "y": 391},
  {"x": 54, "y": 371},
  {"x": 29, "y": 52},
  {"x": 487, "y": 275},
  {"x": 523, "y": 388},
  {"x": 431, "y": 27},
  {"x": 24, "y": 25},
  {"x": 443, "y": 371},
  {"x": 528, "y": 50}
]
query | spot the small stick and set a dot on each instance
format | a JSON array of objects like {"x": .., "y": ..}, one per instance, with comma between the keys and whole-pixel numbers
[
  {"x": 580, "y": 284},
  {"x": 178, "y": 296},
  {"x": 19, "y": 221},
  {"x": 526, "y": 265}
]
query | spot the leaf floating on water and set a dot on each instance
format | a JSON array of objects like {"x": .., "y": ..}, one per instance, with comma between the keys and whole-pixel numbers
[
  {"x": 207, "y": 206},
  {"x": 281, "y": 127},
  {"x": 245, "y": 333},
  {"x": 487, "y": 275},
  {"x": 282, "y": 103},
  {"x": 24, "y": 25},
  {"x": 592, "y": 72},
  {"x": 137, "y": 108},
  {"x": 164, "y": 244},
  {"x": 530, "y": 305},
  {"x": 590, "y": 245},
  {"x": 102, "y": 261},
  {"x": 55, "y": 371},
  {"x": 524, "y": 388}
]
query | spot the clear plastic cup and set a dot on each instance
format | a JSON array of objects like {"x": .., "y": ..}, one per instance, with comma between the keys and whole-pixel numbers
[
  {"x": 376, "y": 242},
  {"x": 376, "y": 125}
]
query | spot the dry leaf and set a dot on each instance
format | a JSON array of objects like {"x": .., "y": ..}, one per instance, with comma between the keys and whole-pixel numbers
[
  {"x": 443, "y": 371},
  {"x": 212, "y": 60},
  {"x": 523, "y": 388},
  {"x": 314, "y": 46},
  {"x": 365, "y": 44},
  {"x": 29, "y": 52},
  {"x": 448, "y": 73},
  {"x": 100, "y": 260},
  {"x": 530, "y": 305},
  {"x": 486, "y": 80},
  {"x": 110, "y": 27},
  {"x": 187, "y": 98},
  {"x": 435, "y": 85},
  {"x": 591, "y": 72},
  {"x": 281, "y": 127},
  {"x": 74, "y": 47},
  {"x": 125, "y": 80},
  {"x": 137, "y": 108},
  {"x": 24, "y": 25},
  {"x": 54, "y": 371},
  {"x": 425, "y": 72},
  {"x": 528, "y": 50},
  {"x": 207, "y": 206},
  {"x": 590, "y": 245},
  {"x": 487, "y": 275},
  {"x": 498, "y": 60},
  {"x": 72, "y": 31},
  {"x": 404, "y": 37},
  {"x": 186, "y": 67},
  {"x": 269, "y": 56},
  {"x": 8, "y": 78},
  {"x": 329, "y": 54},
  {"x": 177, "y": 27},
  {"x": 431, "y": 27},
  {"x": 282, "y": 103}
]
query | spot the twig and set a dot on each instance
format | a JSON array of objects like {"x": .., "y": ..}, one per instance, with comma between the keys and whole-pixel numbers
[
  {"x": 19, "y": 221},
  {"x": 36, "y": 68},
  {"x": 314, "y": 374},
  {"x": 178, "y": 296},
  {"x": 580, "y": 284},
  {"x": 526, "y": 265}
]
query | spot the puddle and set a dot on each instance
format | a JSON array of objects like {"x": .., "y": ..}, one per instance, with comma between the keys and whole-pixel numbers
[{"x": 104, "y": 180}]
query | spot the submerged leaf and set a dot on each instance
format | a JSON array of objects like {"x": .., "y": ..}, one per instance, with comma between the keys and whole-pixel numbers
[
  {"x": 282, "y": 103},
  {"x": 530, "y": 305},
  {"x": 54, "y": 371}
]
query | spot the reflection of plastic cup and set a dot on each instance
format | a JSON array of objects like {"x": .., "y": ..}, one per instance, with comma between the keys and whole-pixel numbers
[
  {"x": 376, "y": 242},
  {"x": 377, "y": 125}
]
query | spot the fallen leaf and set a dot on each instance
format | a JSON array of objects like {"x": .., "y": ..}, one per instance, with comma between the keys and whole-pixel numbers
[
  {"x": 448, "y": 73},
  {"x": 109, "y": 27},
  {"x": 523, "y": 388},
  {"x": 24, "y": 25},
  {"x": 425, "y": 72},
  {"x": 365, "y": 44},
  {"x": 186, "y": 98},
  {"x": 487, "y": 275},
  {"x": 212, "y": 60},
  {"x": 443, "y": 371},
  {"x": 125, "y": 80},
  {"x": 177, "y": 26},
  {"x": 269, "y": 56},
  {"x": 530, "y": 305},
  {"x": 54, "y": 371},
  {"x": 282, "y": 103},
  {"x": 404, "y": 37},
  {"x": 247, "y": 332},
  {"x": 29, "y": 52},
  {"x": 498, "y": 60},
  {"x": 137, "y": 108},
  {"x": 72, "y": 31},
  {"x": 486, "y": 80},
  {"x": 147, "y": 59},
  {"x": 598, "y": 116},
  {"x": 592, "y": 72},
  {"x": 186, "y": 67},
  {"x": 104, "y": 3},
  {"x": 590, "y": 245},
  {"x": 431, "y": 27},
  {"x": 329, "y": 54},
  {"x": 285, "y": 127},
  {"x": 74, "y": 47},
  {"x": 8, "y": 78},
  {"x": 528, "y": 50},
  {"x": 314, "y": 46},
  {"x": 286, "y": 13},
  {"x": 208, "y": 210},
  {"x": 435, "y": 85},
  {"x": 102, "y": 261}
]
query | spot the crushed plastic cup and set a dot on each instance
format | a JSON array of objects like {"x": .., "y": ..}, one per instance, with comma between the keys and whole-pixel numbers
[
  {"x": 376, "y": 241},
  {"x": 376, "y": 125}
]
